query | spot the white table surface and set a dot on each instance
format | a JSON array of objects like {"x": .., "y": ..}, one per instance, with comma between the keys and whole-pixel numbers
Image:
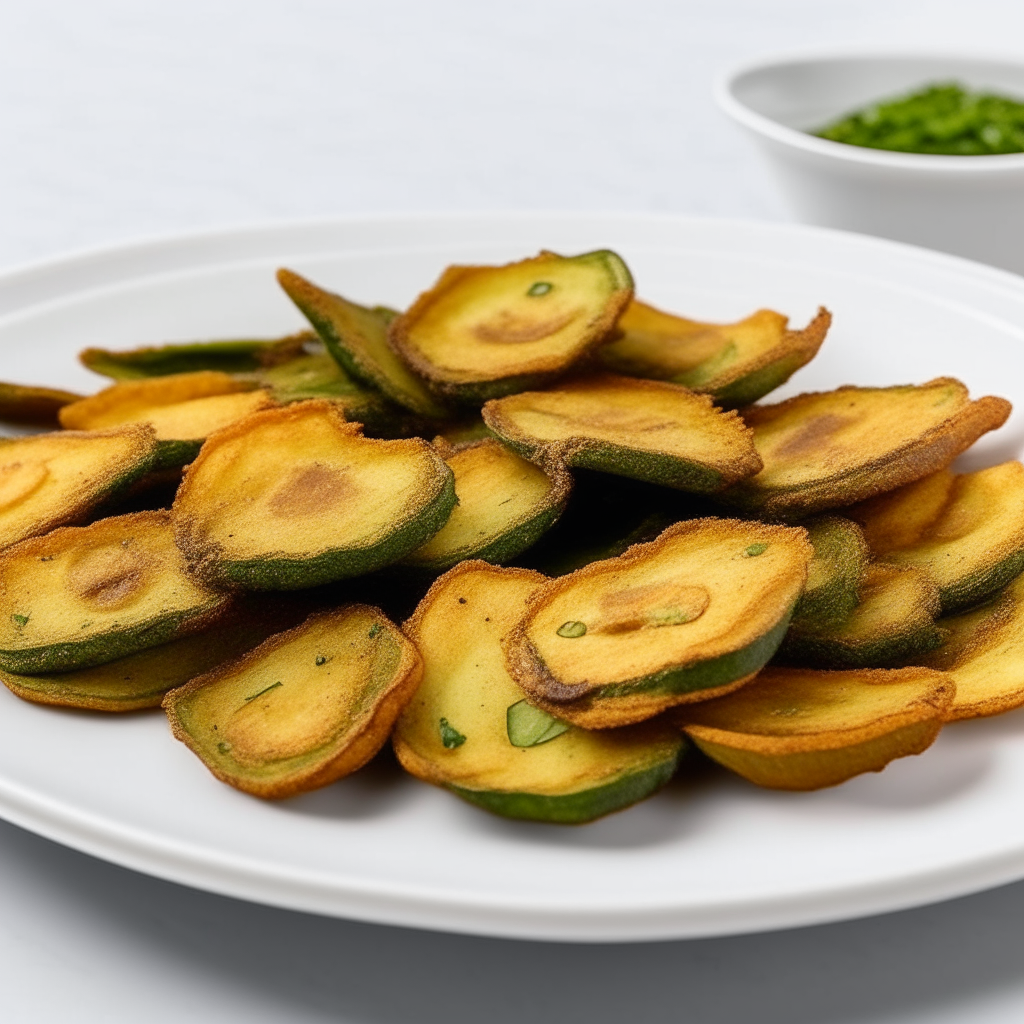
[{"x": 122, "y": 119}]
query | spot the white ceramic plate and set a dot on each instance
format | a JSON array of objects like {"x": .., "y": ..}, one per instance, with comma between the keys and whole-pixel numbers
[{"x": 708, "y": 857}]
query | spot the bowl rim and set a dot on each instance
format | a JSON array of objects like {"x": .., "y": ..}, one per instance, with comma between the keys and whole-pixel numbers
[{"x": 933, "y": 163}]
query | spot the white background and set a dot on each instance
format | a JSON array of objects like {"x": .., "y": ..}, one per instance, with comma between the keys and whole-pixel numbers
[{"x": 120, "y": 120}]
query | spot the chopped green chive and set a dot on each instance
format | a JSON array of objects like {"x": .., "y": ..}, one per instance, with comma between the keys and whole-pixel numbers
[
  {"x": 756, "y": 549},
  {"x": 223, "y": 747},
  {"x": 943, "y": 118},
  {"x": 571, "y": 629},
  {"x": 266, "y": 689},
  {"x": 528, "y": 726},
  {"x": 539, "y": 288},
  {"x": 374, "y": 630},
  {"x": 450, "y": 736},
  {"x": 321, "y": 659},
  {"x": 19, "y": 620}
]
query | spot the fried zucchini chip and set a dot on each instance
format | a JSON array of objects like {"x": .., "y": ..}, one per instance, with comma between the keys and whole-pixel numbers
[
  {"x": 47, "y": 480},
  {"x": 984, "y": 653},
  {"x": 689, "y": 616},
  {"x": 304, "y": 708},
  {"x": 470, "y": 729},
  {"x": 140, "y": 680},
  {"x": 966, "y": 530},
  {"x": 234, "y": 356},
  {"x": 823, "y": 450},
  {"x": 505, "y": 505},
  {"x": 841, "y": 556},
  {"x": 294, "y": 497},
  {"x": 893, "y": 624},
  {"x": 86, "y": 595},
  {"x": 800, "y": 729},
  {"x": 357, "y": 337},
  {"x": 33, "y": 406},
  {"x": 484, "y": 332},
  {"x": 647, "y": 430},
  {"x": 735, "y": 363},
  {"x": 183, "y": 409}
]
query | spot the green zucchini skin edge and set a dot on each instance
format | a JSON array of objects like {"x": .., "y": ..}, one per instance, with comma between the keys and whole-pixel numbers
[
  {"x": 978, "y": 586},
  {"x": 574, "y": 808},
  {"x": 832, "y": 604},
  {"x": 336, "y": 564},
  {"x": 679, "y": 474},
  {"x": 502, "y": 548},
  {"x": 754, "y": 386},
  {"x": 111, "y": 645},
  {"x": 818, "y": 650},
  {"x": 705, "y": 675},
  {"x": 708, "y": 674},
  {"x": 175, "y": 454},
  {"x": 228, "y": 356}
]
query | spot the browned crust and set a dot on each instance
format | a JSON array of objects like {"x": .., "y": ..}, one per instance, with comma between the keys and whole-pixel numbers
[
  {"x": 362, "y": 745},
  {"x": 399, "y": 331},
  {"x": 550, "y": 463},
  {"x": 932, "y": 705},
  {"x": 571, "y": 447},
  {"x": 575, "y": 702},
  {"x": 802, "y": 344},
  {"x": 931, "y": 451}
]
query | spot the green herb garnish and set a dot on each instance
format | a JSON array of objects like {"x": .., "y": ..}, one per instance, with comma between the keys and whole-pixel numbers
[
  {"x": 756, "y": 549},
  {"x": 19, "y": 620},
  {"x": 450, "y": 736},
  {"x": 571, "y": 630},
  {"x": 539, "y": 288},
  {"x": 944, "y": 118},
  {"x": 267, "y": 689},
  {"x": 374, "y": 630},
  {"x": 528, "y": 726}
]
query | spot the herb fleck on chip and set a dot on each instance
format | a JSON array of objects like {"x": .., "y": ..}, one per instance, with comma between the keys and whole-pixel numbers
[
  {"x": 450, "y": 736},
  {"x": 572, "y": 629}
]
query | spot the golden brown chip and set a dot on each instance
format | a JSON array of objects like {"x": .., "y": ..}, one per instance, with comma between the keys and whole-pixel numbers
[
  {"x": 984, "y": 653},
  {"x": 303, "y": 709},
  {"x": 692, "y": 614},
  {"x": 49, "y": 480},
  {"x": 647, "y": 430},
  {"x": 965, "y": 530},
  {"x": 894, "y": 623},
  {"x": 485, "y": 331},
  {"x": 736, "y": 363},
  {"x": 827, "y": 449},
  {"x": 803, "y": 729}
]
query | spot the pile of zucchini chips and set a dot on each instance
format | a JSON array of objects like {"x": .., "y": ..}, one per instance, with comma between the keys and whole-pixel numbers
[{"x": 602, "y": 551}]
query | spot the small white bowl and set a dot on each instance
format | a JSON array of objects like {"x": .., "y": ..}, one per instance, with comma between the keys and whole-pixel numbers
[{"x": 969, "y": 205}]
